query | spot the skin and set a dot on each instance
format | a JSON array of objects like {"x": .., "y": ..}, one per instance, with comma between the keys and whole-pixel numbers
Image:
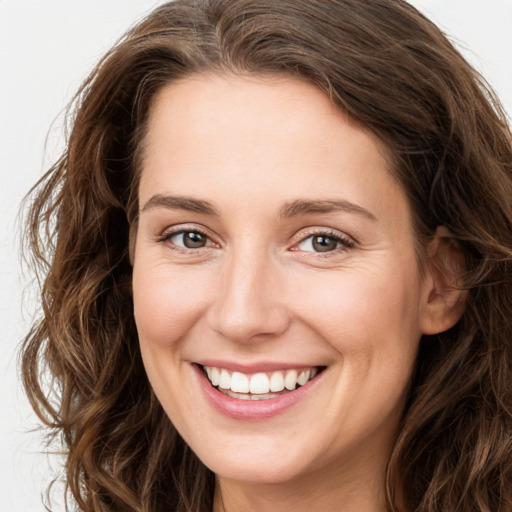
[{"x": 258, "y": 291}]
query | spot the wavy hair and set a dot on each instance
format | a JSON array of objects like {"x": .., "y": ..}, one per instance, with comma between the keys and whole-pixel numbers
[{"x": 393, "y": 70}]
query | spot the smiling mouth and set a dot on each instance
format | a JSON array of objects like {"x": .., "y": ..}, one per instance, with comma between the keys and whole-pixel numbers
[{"x": 261, "y": 385}]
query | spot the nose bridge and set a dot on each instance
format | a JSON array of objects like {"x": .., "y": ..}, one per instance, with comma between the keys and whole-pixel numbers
[{"x": 249, "y": 304}]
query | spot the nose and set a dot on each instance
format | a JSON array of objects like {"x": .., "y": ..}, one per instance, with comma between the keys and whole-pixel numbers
[{"x": 250, "y": 305}]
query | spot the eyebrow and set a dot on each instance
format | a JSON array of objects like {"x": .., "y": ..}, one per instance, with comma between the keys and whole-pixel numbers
[
  {"x": 305, "y": 207},
  {"x": 180, "y": 203},
  {"x": 292, "y": 209}
]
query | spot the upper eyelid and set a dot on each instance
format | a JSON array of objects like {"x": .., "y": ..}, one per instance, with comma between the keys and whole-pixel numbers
[
  {"x": 166, "y": 236},
  {"x": 346, "y": 242},
  {"x": 180, "y": 228},
  {"x": 317, "y": 230},
  {"x": 171, "y": 231}
]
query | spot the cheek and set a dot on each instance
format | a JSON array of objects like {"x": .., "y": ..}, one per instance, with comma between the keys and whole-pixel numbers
[
  {"x": 371, "y": 321},
  {"x": 364, "y": 301},
  {"x": 369, "y": 317},
  {"x": 167, "y": 305}
]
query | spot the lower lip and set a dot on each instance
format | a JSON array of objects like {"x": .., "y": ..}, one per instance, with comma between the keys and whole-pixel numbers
[{"x": 252, "y": 410}]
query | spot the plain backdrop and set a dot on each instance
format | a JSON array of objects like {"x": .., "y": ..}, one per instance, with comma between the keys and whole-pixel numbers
[{"x": 46, "y": 49}]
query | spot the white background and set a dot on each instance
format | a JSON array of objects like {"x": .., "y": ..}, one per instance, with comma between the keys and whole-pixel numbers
[{"x": 47, "y": 47}]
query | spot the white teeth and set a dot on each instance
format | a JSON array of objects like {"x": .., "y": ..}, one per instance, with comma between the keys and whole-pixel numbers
[
  {"x": 215, "y": 377},
  {"x": 303, "y": 377},
  {"x": 247, "y": 396},
  {"x": 225, "y": 380},
  {"x": 239, "y": 383},
  {"x": 259, "y": 384},
  {"x": 290, "y": 381},
  {"x": 276, "y": 382}
]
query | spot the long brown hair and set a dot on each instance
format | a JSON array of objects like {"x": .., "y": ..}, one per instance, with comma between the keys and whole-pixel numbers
[{"x": 389, "y": 67}]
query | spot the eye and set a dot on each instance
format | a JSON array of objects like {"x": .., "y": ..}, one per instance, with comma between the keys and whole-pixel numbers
[
  {"x": 323, "y": 242},
  {"x": 188, "y": 239}
]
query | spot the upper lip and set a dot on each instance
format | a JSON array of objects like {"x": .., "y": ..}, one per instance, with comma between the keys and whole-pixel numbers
[{"x": 255, "y": 367}]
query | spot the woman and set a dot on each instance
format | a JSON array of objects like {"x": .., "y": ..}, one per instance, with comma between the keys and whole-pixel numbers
[{"x": 280, "y": 276}]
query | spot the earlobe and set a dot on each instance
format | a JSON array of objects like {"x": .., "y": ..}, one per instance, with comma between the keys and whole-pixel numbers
[{"x": 444, "y": 297}]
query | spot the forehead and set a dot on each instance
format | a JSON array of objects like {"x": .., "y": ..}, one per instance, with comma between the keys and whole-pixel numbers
[
  {"x": 205, "y": 121},
  {"x": 204, "y": 101}
]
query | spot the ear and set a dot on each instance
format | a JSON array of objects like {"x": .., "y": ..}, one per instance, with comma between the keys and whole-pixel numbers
[{"x": 443, "y": 298}]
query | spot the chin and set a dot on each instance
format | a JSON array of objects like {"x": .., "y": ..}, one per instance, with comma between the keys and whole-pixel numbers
[
  {"x": 257, "y": 471},
  {"x": 259, "y": 460}
]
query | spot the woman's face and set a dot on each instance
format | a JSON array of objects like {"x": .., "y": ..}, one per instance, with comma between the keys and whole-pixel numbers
[{"x": 273, "y": 244}]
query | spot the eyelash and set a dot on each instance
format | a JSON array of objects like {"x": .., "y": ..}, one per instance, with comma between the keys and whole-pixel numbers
[
  {"x": 183, "y": 230},
  {"x": 344, "y": 242}
]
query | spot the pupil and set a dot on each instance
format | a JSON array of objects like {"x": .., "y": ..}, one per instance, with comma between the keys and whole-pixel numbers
[
  {"x": 193, "y": 240},
  {"x": 324, "y": 243}
]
